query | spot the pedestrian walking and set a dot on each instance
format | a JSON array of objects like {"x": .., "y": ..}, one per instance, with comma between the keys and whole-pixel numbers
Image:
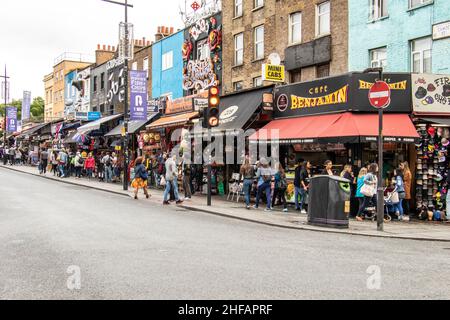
[
  {"x": 400, "y": 188},
  {"x": 171, "y": 180},
  {"x": 18, "y": 157},
  {"x": 264, "y": 176},
  {"x": 54, "y": 162},
  {"x": 63, "y": 159},
  {"x": 107, "y": 163},
  {"x": 247, "y": 173},
  {"x": 140, "y": 180},
  {"x": 43, "y": 159},
  {"x": 89, "y": 165},
  {"x": 79, "y": 164},
  {"x": 301, "y": 183},
  {"x": 407, "y": 181},
  {"x": 12, "y": 155},
  {"x": 186, "y": 171},
  {"x": 369, "y": 190},
  {"x": 280, "y": 188},
  {"x": 359, "y": 185}
]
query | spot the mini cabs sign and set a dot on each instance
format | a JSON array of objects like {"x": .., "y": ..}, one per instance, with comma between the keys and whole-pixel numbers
[{"x": 274, "y": 73}]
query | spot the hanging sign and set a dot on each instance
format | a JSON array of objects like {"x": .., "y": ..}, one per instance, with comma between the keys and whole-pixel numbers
[
  {"x": 11, "y": 119},
  {"x": 138, "y": 89},
  {"x": 274, "y": 73}
]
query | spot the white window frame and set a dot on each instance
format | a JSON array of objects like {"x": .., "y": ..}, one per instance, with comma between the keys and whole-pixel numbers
[
  {"x": 238, "y": 52},
  {"x": 378, "y": 9},
  {"x": 258, "y": 4},
  {"x": 292, "y": 25},
  {"x": 421, "y": 54},
  {"x": 320, "y": 33},
  {"x": 258, "y": 53},
  {"x": 238, "y": 8},
  {"x": 134, "y": 66},
  {"x": 377, "y": 62},
  {"x": 421, "y": 2},
  {"x": 167, "y": 61}
]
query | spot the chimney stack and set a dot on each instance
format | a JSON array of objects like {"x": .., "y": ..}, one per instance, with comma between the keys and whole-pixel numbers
[
  {"x": 109, "y": 48},
  {"x": 98, "y": 46},
  {"x": 104, "y": 47}
]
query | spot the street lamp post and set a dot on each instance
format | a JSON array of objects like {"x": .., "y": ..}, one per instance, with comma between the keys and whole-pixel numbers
[
  {"x": 5, "y": 78},
  {"x": 126, "y": 118},
  {"x": 380, "y": 190}
]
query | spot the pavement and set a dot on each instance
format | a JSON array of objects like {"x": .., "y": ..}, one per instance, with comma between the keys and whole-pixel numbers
[
  {"x": 413, "y": 230},
  {"x": 65, "y": 241}
]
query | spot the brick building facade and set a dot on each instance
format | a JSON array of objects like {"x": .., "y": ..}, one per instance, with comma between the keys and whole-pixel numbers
[{"x": 310, "y": 37}]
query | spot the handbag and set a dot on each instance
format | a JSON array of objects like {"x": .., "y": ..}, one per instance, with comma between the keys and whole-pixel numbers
[
  {"x": 163, "y": 182},
  {"x": 367, "y": 190},
  {"x": 394, "y": 197},
  {"x": 401, "y": 195}
]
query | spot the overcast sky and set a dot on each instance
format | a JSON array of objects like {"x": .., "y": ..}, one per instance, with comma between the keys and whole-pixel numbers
[{"x": 35, "y": 32}]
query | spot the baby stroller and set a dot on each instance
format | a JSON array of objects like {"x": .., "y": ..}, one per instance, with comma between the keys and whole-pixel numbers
[{"x": 371, "y": 210}]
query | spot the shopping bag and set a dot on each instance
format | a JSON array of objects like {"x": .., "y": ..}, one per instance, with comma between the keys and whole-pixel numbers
[
  {"x": 163, "y": 182},
  {"x": 367, "y": 190}
]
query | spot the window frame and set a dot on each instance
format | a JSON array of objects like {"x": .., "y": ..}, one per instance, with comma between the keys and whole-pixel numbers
[
  {"x": 318, "y": 16},
  {"x": 291, "y": 25},
  {"x": 379, "y": 61},
  {"x": 165, "y": 61},
  {"x": 236, "y": 50},
  {"x": 375, "y": 13},
  {"x": 421, "y": 55},
  {"x": 255, "y": 4},
  {"x": 238, "y": 4},
  {"x": 235, "y": 85},
  {"x": 422, "y": 3},
  {"x": 256, "y": 43}
]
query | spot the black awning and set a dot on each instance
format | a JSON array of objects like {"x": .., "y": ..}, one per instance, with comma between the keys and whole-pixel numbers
[
  {"x": 237, "y": 109},
  {"x": 443, "y": 121}
]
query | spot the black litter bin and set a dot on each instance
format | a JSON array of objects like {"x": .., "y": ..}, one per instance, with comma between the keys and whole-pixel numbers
[{"x": 329, "y": 201}]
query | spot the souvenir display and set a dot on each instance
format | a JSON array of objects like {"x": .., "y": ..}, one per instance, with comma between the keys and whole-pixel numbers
[{"x": 431, "y": 170}]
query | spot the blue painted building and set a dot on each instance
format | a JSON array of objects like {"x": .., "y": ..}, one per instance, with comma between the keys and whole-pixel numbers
[
  {"x": 167, "y": 67},
  {"x": 398, "y": 35}
]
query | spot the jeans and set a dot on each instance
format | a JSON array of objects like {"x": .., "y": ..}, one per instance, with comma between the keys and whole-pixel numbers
[
  {"x": 62, "y": 170},
  {"x": 174, "y": 186},
  {"x": 266, "y": 186},
  {"x": 44, "y": 164},
  {"x": 302, "y": 192},
  {"x": 89, "y": 173},
  {"x": 247, "y": 189},
  {"x": 78, "y": 172},
  {"x": 399, "y": 208},
  {"x": 108, "y": 174}
]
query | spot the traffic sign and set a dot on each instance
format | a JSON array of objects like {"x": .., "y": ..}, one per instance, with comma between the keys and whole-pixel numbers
[{"x": 380, "y": 95}]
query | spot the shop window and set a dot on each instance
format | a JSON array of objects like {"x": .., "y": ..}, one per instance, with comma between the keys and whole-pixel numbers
[
  {"x": 295, "y": 28},
  {"x": 378, "y": 9},
  {"x": 378, "y": 58},
  {"x": 323, "y": 19},
  {"x": 421, "y": 55},
  {"x": 323, "y": 71}
]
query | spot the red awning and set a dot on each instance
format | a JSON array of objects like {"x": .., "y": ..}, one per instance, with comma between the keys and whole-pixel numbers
[{"x": 339, "y": 128}]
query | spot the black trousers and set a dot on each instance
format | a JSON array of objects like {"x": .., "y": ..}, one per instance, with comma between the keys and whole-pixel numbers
[
  {"x": 280, "y": 194},
  {"x": 44, "y": 164}
]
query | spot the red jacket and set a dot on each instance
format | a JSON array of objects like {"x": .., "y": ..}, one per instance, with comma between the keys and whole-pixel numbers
[{"x": 89, "y": 163}]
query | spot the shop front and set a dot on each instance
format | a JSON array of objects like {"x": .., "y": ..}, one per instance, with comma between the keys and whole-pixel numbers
[
  {"x": 331, "y": 119},
  {"x": 429, "y": 164}
]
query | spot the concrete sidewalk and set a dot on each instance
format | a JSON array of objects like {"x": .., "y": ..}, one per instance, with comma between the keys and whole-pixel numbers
[{"x": 429, "y": 231}]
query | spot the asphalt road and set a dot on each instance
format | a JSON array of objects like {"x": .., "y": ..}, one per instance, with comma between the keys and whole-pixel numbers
[{"x": 65, "y": 242}]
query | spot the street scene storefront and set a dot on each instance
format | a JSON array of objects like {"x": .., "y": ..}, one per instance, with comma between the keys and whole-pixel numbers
[{"x": 331, "y": 119}]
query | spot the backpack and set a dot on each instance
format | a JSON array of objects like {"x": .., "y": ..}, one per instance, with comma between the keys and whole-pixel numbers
[
  {"x": 80, "y": 160},
  {"x": 108, "y": 162}
]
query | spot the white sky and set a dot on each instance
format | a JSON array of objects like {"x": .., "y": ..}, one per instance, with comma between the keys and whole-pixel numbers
[{"x": 34, "y": 32}]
